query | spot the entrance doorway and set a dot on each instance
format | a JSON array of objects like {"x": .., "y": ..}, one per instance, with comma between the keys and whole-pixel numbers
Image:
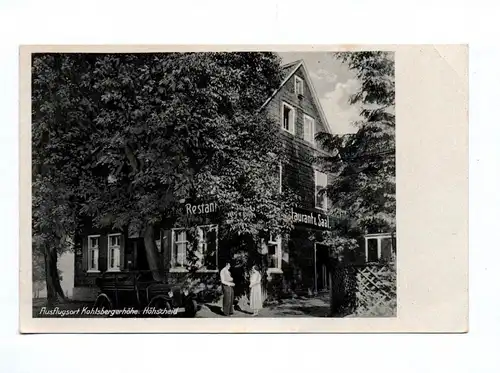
[{"x": 322, "y": 268}]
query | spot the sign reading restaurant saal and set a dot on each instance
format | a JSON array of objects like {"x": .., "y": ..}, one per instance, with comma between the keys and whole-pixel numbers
[{"x": 311, "y": 218}]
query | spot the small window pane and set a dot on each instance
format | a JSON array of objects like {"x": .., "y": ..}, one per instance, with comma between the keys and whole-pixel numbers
[
  {"x": 321, "y": 179},
  {"x": 181, "y": 254},
  {"x": 92, "y": 259},
  {"x": 299, "y": 86},
  {"x": 372, "y": 250},
  {"x": 308, "y": 129},
  {"x": 386, "y": 249},
  {"x": 286, "y": 118},
  {"x": 180, "y": 236},
  {"x": 112, "y": 258},
  {"x": 272, "y": 255}
]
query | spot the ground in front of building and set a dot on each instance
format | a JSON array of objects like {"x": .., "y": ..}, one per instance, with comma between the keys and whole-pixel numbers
[{"x": 296, "y": 307}]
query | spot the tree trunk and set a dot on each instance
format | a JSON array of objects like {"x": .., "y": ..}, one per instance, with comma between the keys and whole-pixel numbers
[
  {"x": 154, "y": 262},
  {"x": 54, "y": 289},
  {"x": 55, "y": 275}
]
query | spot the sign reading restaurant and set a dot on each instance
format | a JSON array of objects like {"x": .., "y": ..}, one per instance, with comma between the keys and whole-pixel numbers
[{"x": 202, "y": 208}]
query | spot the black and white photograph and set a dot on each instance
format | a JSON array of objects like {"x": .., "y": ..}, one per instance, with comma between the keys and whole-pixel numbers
[{"x": 235, "y": 184}]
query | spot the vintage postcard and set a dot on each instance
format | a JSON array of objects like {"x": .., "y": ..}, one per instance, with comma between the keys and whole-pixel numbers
[{"x": 244, "y": 189}]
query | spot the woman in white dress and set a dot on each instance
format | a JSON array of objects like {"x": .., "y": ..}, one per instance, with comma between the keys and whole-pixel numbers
[{"x": 255, "y": 291}]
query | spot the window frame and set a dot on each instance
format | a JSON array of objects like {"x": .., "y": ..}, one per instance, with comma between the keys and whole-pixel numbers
[
  {"x": 325, "y": 204},
  {"x": 172, "y": 257},
  {"x": 301, "y": 81},
  {"x": 313, "y": 129},
  {"x": 119, "y": 247},
  {"x": 379, "y": 237},
  {"x": 89, "y": 255},
  {"x": 279, "y": 253},
  {"x": 199, "y": 229},
  {"x": 291, "y": 123},
  {"x": 189, "y": 246}
]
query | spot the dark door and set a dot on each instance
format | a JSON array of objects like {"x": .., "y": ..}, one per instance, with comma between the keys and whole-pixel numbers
[
  {"x": 141, "y": 257},
  {"x": 322, "y": 267}
]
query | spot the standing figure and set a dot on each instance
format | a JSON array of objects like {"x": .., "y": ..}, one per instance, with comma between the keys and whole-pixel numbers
[
  {"x": 255, "y": 291},
  {"x": 228, "y": 290}
]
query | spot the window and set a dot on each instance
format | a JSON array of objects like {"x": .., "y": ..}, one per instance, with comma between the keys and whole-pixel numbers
[
  {"x": 386, "y": 249},
  {"x": 288, "y": 118},
  {"x": 299, "y": 86},
  {"x": 309, "y": 130},
  {"x": 207, "y": 247},
  {"x": 274, "y": 254},
  {"x": 93, "y": 254},
  {"x": 205, "y": 253},
  {"x": 320, "y": 181},
  {"x": 379, "y": 247},
  {"x": 372, "y": 250},
  {"x": 179, "y": 248},
  {"x": 114, "y": 246}
]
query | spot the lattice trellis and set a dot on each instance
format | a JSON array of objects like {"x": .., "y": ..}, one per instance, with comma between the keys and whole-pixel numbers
[{"x": 376, "y": 290}]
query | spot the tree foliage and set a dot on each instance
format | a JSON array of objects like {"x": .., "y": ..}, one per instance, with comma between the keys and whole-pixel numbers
[
  {"x": 123, "y": 140},
  {"x": 363, "y": 164},
  {"x": 61, "y": 119}
]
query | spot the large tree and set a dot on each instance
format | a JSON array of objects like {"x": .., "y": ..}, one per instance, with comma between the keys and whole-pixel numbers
[
  {"x": 186, "y": 127},
  {"x": 120, "y": 140},
  {"x": 363, "y": 190}
]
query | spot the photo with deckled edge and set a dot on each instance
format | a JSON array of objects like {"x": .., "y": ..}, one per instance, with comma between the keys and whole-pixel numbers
[{"x": 316, "y": 241}]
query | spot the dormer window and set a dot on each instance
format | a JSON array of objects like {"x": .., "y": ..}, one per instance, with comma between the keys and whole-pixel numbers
[{"x": 299, "y": 86}]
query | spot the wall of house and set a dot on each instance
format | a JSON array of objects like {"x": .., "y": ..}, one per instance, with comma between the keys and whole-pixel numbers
[
  {"x": 298, "y": 175},
  {"x": 132, "y": 258},
  {"x": 85, "y": 281}
]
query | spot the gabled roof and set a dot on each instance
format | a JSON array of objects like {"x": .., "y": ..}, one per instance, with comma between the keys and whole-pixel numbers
[
  {"x": 289, "y": 67},
  {"x": 289, "y": 70}
]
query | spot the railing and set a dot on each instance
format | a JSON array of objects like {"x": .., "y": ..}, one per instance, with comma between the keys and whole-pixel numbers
[
  {"x": 364, "y": 290},
  {"x": 376, "y": 295}
]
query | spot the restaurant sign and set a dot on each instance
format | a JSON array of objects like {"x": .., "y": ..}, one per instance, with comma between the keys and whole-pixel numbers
[
  {"x": 202, "y": 208},
  {"x": 311, "y": 218}
]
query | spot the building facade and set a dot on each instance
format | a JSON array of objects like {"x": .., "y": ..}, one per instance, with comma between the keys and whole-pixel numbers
[
  {"x": 302, "y": 264},
  {"x": 296, "y": 263}
]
